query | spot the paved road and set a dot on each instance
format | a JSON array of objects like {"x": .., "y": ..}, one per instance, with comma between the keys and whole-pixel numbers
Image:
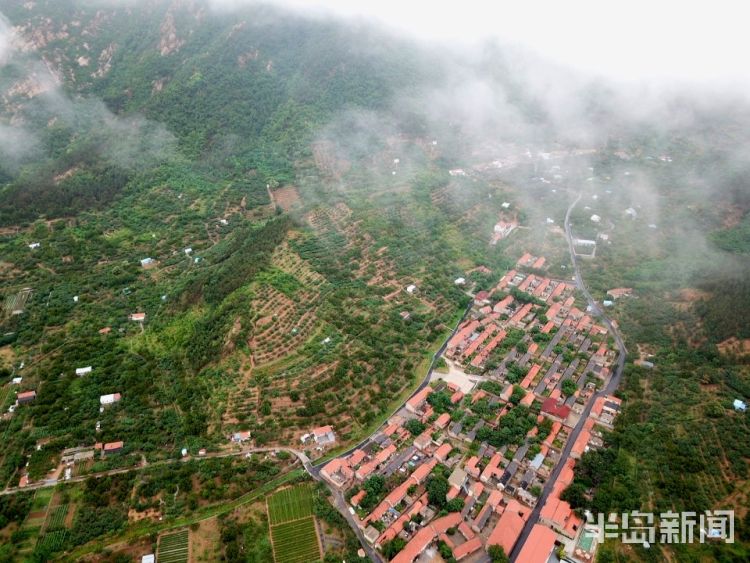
[
  {"x": 425, "y": 382},
  {"x": 312, "y": 469},
  {"x": 53, "y": 482},
  {"x": 608, "y": 389}
]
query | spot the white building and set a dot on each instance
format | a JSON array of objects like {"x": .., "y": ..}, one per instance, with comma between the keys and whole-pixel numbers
[
  {"x": 739, "y": 405},
  {"x": 83, "y": 371},
  {"x": 146, "y": 262},
  {"x": 459, "y": 281},
  {"x": 411, "y": 289},
  {"x": 109, "y": 399},
  {"x": 595, "y": 218}
]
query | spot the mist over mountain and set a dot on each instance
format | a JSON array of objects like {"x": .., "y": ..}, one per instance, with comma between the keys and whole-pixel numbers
[{"x": 248, "y": 222}]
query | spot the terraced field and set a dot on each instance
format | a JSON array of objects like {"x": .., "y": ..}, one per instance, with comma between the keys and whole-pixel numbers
[
  {"x": 174, "y": 548},
  {"x": 293, "y": 533}
]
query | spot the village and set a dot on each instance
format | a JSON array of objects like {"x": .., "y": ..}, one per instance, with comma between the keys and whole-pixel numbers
[{"x": 459, "y": 469}]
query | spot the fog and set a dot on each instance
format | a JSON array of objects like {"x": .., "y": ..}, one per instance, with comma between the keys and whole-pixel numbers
[
  {"x": 668, "y": 42},
  {"x": 129, "y": 142}
]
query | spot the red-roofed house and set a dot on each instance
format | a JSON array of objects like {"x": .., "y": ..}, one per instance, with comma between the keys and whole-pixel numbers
[
  {"x": 424, "y": 537},
  {"x": 421, "y": 472},
  {"x": 558, "y": 514},
  {"x": 486, "y": 333},
  {"x": 356, "y": 499},
  {"x": 422, "y": 441},
  {"x": 467, "y": 548},
  {"x": 502, "y": 305},
  {"x": 338, "y": 472},
  {"x": 492, "y": 468},
  {"x": 551, "y": 407},
  {"x": 25, "y": 397},
  {"x": 471, "y": 467},
  {"x": 527, "y": 400},
  {"x": 508, "y": 528},
  {"x": 443, "y": 451},
  {"x": 539, "y": 262},
  {"x": 462, "y": 334},
  {"x": 529, "y": 379},
  {"x": 538, "y": 546},
  {"x": 482, "y": 355},
  {"x": 443, "y": 420},
  {"x": 506, "y": 279},
  {"x": 112, "y": 447},
  {"x": 456, "y": 397},
  {"x": 541, "y": 287},
  {"x": 524, "y": 285},
  {"x": 525, "y": 259},
  {"x": 482, "y": 297},
  {"x": 519, "y": 315},
  {"x": 413, "y": 405},
  {"x": 381, "y": 457},
  {"x": 356, "y": 458},
  {"x": 618, "y": 292}
]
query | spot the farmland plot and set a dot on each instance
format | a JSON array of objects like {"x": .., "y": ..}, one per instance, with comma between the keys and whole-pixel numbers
[
  {"x": 293, "y": 533},
  {"x": 174, "y": 548},
  {"x": 290, "y": 504}
]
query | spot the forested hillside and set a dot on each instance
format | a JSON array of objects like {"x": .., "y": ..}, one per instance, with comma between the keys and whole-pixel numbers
[{"x": 264, "y": 187}]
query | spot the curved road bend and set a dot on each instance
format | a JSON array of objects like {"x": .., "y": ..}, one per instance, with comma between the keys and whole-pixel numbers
[
  {"x": 608, "y": 389},
  {"x": 339, "y": 501},
  {"x": 319, "y": 464}
]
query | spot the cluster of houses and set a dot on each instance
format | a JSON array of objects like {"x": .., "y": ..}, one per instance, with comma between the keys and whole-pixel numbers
[
  {"x": 549, "y": 309},
  {"x": 498, "y": 487}
]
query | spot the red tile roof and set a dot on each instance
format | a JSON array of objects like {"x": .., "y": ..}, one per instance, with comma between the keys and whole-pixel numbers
[
  {"x": 442, "y": 452},
  {"x": 467, "y": 548},
  {"x": 507, "y": 530},
  {"x": 425, "y": 536},
  {"x": 550, "y": 406},
  {"x": 443, "y": 420},
  {"x": 538, "y": 545}
]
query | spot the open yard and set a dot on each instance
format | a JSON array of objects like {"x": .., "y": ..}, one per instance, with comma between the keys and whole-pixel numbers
[{"x": 174, "y": 548}]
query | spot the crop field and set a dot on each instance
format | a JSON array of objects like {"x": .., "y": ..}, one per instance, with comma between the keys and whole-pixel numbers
[
  {"x": 293, "y": 533},
  {"x": 173, "y": 548},
  {"x": 290, "y": 504},
  {"x": 295, "y": 542},
  {"x": 52, "y": 541},
  {"x": 56, "y": 518}
]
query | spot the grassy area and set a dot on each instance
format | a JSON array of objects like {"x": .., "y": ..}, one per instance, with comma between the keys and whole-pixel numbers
[
  {"x": 290, "y": 504},
  {"x": 295, "y": 542}
]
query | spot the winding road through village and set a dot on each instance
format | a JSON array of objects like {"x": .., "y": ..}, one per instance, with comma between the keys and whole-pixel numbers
[
  {"x": 608, "y": 389},
  {"x": 313, "y": 469}
]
